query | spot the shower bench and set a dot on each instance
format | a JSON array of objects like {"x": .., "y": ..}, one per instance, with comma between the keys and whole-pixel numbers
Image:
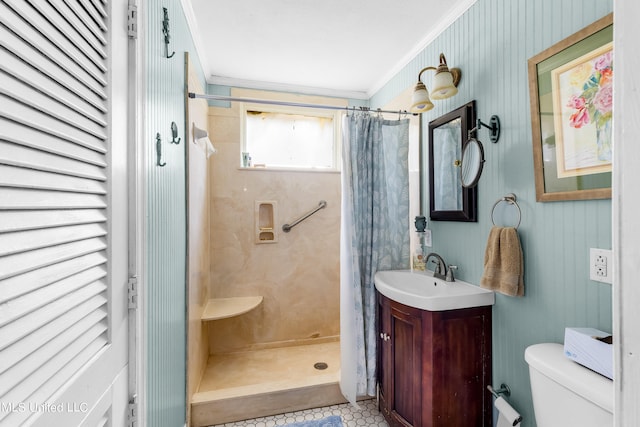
[{"x": 222, "y": 308}]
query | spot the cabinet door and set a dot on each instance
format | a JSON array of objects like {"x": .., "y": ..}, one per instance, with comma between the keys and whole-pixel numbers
[
  {"x": 461, "y": 368},
  {"x": 383, "y": 353},
  {"x": 406, "y": 359},
  {"x": 433, "y": 367},
  {"x": 385, "y": 371}
]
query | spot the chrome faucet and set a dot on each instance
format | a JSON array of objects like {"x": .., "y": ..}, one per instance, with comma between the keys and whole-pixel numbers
[
  {"x": 442, "y": 271},
  {"x": 441, "y": 267}
]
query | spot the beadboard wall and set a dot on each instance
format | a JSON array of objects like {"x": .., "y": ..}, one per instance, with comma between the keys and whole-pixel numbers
[
  {"x": 166, "y": 221},
  {"x": 491, "y": 43}
]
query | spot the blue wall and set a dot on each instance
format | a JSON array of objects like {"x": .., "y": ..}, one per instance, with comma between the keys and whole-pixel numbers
[
  {"x": 166, "y": 220},
  {"x": 491, "y": 43}
]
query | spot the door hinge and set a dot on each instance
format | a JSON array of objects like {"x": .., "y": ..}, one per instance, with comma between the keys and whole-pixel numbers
[
  {"x": 132, "y": 413},
  {"x": 132, "y": 292},
  {"x": 132, "y": 21}
]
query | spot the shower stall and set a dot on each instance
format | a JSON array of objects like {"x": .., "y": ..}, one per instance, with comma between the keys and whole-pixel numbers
[
  {"x": 264, "y": 315},
  {"x": 264, "y": 274}
]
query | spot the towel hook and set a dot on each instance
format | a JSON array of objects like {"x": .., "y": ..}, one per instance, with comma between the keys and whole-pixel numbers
[
  {"x": 510, "y": 199},
  {"x": 165, "y": 31},
  {"x": 159, "y": 151},
  {"x": 174, "y": 134}
]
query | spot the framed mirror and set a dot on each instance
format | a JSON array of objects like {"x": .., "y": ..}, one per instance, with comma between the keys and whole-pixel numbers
[{"x": 449, "y": 200}]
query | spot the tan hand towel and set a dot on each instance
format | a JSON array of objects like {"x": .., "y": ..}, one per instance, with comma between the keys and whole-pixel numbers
[{"x": 503, "y": 262}]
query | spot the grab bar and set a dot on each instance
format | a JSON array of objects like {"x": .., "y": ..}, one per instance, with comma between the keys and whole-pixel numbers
[{"x": 287, "y": 227}]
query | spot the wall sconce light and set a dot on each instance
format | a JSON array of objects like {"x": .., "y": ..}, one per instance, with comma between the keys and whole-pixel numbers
[
  {"x": 201, "y": 138},
  {"x": 445, "y": 84}
]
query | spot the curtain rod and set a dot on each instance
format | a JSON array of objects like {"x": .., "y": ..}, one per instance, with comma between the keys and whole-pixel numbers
[{"x": 293, "y": 104}]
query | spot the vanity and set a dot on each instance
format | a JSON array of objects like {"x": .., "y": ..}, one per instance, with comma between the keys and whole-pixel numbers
[{"x": 434, "y": 351}]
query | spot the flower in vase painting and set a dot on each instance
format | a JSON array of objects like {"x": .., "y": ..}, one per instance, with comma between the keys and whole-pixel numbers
[{"x": 593, "y": 101}]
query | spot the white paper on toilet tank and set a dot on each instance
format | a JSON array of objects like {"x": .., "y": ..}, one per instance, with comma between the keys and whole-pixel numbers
[
  {"x": 583, "y": 346},
  {"x": 507, "y": 416}
]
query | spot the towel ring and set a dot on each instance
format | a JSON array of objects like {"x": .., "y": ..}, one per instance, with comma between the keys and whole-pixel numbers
[{"x": 511, "y": 199}]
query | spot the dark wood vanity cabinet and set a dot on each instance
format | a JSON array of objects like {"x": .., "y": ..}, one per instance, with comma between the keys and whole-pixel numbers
[{"x": 434, "y": 366}]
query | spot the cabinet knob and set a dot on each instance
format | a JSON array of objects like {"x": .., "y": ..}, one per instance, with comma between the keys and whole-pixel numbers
[{"x": 384, "y": 336}]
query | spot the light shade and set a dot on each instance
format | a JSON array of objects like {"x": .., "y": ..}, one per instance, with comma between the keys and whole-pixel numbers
[
  {"x": 420, "y": 101},
  {"x": 443, "y": 86}
]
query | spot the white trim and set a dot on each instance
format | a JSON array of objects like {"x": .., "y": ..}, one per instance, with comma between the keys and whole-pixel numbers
[
  {"x": 137, "y": 179},
  {"x": 194, "y": 32},
  {"x": 254, "y": 84},
  {"x": 443, "y": 24},
  {"x": 625, "y": 205},
  {"x": 283, "y": 87},
  {"x": 132, "y": 155}
]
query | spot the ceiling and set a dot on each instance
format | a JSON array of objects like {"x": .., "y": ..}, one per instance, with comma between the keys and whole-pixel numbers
[{"x": 347, "y": 48}]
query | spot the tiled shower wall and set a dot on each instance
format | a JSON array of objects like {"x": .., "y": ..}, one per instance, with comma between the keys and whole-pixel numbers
[{"x": 299, "y": 275}]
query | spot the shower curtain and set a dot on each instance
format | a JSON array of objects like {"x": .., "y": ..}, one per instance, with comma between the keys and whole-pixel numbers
[{"x": 374, "y": 236}]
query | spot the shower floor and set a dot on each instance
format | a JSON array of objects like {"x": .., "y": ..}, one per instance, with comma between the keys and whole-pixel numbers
[{"x": 243, "y": 385}]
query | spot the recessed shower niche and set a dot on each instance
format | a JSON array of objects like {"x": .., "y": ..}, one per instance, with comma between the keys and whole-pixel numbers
[{"x": 265, "y": 220}]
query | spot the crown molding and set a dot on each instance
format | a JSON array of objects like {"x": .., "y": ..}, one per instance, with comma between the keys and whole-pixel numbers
[
  {"x": 283, "y": 87},
  {"x": 445, "y": 23},
  {"x": 193, "y": 30}
]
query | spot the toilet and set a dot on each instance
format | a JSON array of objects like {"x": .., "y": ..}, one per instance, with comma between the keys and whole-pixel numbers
[{"x": 566, "y": 393}]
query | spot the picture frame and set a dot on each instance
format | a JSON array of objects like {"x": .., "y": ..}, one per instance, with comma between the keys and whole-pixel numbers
[{"x": 570, "y": 88}]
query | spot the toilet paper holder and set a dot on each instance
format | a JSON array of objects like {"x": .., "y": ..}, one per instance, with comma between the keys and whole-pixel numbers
[{"x": 503, "y": 390}]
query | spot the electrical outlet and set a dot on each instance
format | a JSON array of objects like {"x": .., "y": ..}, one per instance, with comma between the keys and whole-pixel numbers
[{"x": 600, "y": 265}]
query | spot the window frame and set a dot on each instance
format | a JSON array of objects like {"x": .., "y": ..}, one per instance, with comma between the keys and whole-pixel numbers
[{"x": 336, "y": 115}]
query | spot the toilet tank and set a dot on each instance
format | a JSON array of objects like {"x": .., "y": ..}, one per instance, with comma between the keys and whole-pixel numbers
[{"x": 566, "y": 393}]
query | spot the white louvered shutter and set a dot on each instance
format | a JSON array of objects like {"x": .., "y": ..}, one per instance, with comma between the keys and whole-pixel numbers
[{"x": 55, "y": 213}]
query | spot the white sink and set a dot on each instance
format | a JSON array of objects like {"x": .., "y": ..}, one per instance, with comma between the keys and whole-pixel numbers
[{"x": 419, "y": 289}]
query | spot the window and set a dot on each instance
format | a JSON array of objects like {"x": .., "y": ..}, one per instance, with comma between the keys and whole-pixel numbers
[{"x": 290, "y": 139}]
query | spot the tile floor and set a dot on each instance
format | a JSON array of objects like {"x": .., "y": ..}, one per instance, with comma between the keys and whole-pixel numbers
[{"x": 367, "y": 416}]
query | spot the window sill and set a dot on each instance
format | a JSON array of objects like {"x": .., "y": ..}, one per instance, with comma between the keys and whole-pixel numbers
[{"x": 276, "y": 169}]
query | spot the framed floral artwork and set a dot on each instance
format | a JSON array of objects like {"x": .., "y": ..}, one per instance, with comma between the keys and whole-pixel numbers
[{"x": 571, "y": 92}]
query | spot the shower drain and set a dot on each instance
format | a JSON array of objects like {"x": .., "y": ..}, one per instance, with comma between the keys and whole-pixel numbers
[{"x": 320, "y": 366}]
